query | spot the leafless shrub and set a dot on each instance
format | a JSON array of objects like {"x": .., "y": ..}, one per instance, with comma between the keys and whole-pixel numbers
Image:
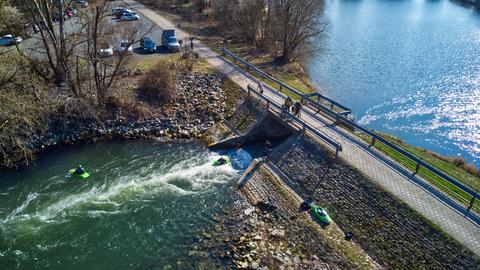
[{"x": 159, "y": 84}]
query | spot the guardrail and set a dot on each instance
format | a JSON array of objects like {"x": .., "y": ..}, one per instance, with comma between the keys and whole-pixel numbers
[
  {"x": 342, "y": 118},
  {"x": 332, "y": 104},
  {"x": 305, "y": 126}
]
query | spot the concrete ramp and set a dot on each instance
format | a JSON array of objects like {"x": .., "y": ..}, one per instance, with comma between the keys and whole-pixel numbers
[{"x": 269, "y": 127}]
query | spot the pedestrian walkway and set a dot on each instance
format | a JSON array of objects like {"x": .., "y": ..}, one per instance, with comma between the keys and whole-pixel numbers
[{"x": 379, "y": 168}]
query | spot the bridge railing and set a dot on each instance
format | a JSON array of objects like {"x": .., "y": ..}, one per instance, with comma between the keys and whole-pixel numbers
[
  {"x": 315, "y": 100},
  {"x": 305, "y": 126},
  {"x": 342, "y": 118}
]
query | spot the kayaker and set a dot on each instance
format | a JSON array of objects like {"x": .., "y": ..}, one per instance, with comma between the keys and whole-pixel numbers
[
  {"x": 80, "y": 170},
  {"x": 221, "y": 161}
]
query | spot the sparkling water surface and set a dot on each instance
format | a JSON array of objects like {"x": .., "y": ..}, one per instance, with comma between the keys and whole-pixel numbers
[{"x": 408, "y": 68}]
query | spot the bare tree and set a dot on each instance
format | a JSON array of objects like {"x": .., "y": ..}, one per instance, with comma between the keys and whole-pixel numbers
[
  {"x": 297, "y": 26},
  {"x": 99, "y": 32},
  {"x": 249, "y": 18},
  {"x": 58, "y": 45}
]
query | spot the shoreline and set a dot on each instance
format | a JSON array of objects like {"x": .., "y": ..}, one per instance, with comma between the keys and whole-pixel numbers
[{"x": 176, "y": 121}]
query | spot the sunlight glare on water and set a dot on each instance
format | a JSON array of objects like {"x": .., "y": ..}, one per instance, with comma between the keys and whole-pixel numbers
[{"x": 408, "y": 68}]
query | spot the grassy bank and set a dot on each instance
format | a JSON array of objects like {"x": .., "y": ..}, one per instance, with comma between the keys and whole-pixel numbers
[{"x": 455, "y": 167}]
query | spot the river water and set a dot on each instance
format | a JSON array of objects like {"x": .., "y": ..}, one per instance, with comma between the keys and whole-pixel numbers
[
  {"x": 141, "y": 208},
  {"x": 408, "y": 68}
]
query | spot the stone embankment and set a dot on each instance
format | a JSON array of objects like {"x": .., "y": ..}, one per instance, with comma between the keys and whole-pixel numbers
[
  {"x": 200, "y": 102},
  {"x": 391, "y": 232},
  {"x": 267, "y": 230}
]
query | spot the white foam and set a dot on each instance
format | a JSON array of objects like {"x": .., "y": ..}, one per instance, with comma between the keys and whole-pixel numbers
[
  {"x": 19, "y": 209},
  {"x": 107, "y": 197}
]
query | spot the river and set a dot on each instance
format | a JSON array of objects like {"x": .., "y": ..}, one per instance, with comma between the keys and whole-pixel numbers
[
  {"x": 408, "y": 68},
  {"x": 141, "y": 208}
]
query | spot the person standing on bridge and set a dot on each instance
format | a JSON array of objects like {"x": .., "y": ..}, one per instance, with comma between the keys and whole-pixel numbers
[
  {"x": 287, "y": 106},
  {"x": 471, "y": 204},
  {"x": 260, "y": 87},
  {"x": 297, "y": 107}
]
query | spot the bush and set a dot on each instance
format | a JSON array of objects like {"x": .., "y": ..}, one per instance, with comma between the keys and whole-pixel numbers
[{"x": 159, "y": 84}]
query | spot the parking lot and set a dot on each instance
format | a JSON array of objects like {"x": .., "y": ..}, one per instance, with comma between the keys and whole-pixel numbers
[{"x": 33, "y": 45}]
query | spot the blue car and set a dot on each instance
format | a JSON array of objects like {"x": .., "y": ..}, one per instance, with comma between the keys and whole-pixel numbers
[
  {"x": 9, "y": 40},
  {"x": 148, "y": 45}
]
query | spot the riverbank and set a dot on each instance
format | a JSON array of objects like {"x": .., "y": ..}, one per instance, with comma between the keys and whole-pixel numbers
[
  {"x": 266, "y": 229},
  {"x": 201, "y": 100}
]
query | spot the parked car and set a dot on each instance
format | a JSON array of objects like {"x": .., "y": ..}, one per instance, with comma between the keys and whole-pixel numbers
[
  {"x": 105, "y": 50},
  {"x": 82, "y": 3},
  {"x": 9, "y": 40},
  {"x": 148, "y": 45},
  {"x": 169, "y": 40},
  {"x": 70, "y": 12},
  {"x": 125, "y": 47},
  {"x": 118, "y": 11},
  {"x": 130, "y": 17}
]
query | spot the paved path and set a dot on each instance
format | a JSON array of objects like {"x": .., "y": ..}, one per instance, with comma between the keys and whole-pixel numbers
[{"x": 376, "y": 166}]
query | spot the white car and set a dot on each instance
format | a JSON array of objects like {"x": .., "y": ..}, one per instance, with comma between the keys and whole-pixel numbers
[
  {"x": 105, "y": 50},
  {"x": 9, "y": 40},
  {"x": 125, "y": 47},
  {"x": 130, "y": 17}
]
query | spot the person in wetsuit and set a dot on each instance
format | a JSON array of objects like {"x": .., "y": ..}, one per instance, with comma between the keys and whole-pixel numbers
[
  {"x": 80, "y": 170},
  {"x": 221, "y": 161}
]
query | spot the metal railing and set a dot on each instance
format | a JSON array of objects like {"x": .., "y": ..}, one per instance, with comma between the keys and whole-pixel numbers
[
  {"x": 316, "y": 100},
  {"x": 342, "y": 118},
  {"x": 305, "y": 126}
]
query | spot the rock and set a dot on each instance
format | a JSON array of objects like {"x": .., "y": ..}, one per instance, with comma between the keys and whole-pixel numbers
[
  {"x": 257, "y": 238},
  {"x": 278, "y": 233},
  {"x": 248, "y": 211}
]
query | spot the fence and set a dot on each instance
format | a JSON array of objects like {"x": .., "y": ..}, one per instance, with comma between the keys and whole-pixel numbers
[
  {"x": 342, "y": 118},
  {"x": 319, "y": 100},
  {"x": 305, "y": 126}
]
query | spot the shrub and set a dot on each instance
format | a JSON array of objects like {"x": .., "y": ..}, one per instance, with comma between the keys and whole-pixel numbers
[{"x": 159, "y": 84}]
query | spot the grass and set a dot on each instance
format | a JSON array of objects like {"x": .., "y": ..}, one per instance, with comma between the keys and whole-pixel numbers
[
  {"x": 200, "y": 65},
  {"x": 447, "y": 167}
]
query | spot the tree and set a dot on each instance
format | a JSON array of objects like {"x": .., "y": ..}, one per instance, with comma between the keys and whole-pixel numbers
[
  {"x": 249, "y": 19},
  {"x": 10, "y": 19},
  {"x": 58, "y": 45},
  {"x": 97, "y": 32},
  {"x": 298, "y": 25}
]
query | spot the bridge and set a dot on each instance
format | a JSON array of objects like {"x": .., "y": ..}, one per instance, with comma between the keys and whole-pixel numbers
[{"x": 324, "y": 120}]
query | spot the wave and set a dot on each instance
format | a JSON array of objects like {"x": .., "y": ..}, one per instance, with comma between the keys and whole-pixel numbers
[{"x": 186, "y": 177}]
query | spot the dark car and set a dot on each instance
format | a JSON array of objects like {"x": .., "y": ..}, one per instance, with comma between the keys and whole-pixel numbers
[
  {"x": 148, "y": 45},
  {"x": 119, "y": 11}
]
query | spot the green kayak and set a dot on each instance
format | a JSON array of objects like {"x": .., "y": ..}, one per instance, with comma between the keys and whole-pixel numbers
[
  {"x": 84, "y": 175},
  {"x": 321, "y": 214},
  {"x": 222, "y": 161}
]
